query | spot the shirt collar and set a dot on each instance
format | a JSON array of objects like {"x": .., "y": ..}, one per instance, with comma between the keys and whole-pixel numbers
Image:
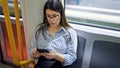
[{"x": 61, "y": 29}]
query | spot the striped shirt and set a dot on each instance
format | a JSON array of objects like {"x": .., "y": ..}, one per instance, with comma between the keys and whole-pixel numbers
[{"x": 64, "y": 42}]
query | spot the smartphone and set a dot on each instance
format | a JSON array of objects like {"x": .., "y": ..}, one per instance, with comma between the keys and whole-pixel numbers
[{"x": 43, "y": 50}]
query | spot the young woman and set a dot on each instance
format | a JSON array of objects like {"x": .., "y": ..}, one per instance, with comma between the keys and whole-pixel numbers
[{"x": 56, "y": 37}]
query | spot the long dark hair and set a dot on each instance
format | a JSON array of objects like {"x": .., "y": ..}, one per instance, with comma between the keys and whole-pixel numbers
[{"x": 54, "y": 5}]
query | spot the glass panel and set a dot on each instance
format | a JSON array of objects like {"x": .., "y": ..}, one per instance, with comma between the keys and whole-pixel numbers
[
  {"x": 109, "y": 4},
  {"x": 11, "y": 7},
  {"x": 102, "y": 13}
]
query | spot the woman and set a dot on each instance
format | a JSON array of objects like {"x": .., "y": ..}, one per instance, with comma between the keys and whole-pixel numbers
[{"x": 56, "y": 36}]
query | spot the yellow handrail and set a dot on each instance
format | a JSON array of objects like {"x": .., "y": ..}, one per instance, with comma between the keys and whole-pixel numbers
[
  {"x": 9, "y": 29},
  {"x": 16, "y": 10},
  {"x": 10, "y": 33},
  {"x": 17, "y": 16},
  {"x": 0, "y": 1}
]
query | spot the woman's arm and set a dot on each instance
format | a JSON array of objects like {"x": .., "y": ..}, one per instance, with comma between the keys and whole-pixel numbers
[{"x": 70, "y": 55}]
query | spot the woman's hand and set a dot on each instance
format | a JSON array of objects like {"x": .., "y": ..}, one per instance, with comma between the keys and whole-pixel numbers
[
  {"x": 50, "y": 55},
  {"x": 36, "y": 54},
  {"x": 53, "y": 55}
]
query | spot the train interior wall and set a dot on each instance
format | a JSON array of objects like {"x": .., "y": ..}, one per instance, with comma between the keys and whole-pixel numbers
[{"x": 101, "y": 50}]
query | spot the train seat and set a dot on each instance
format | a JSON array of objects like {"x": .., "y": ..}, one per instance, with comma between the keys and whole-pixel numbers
[{"x": 80, "y": 51}]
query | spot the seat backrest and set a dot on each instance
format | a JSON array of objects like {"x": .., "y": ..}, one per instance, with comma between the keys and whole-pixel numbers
[
  {"x": 80, "y": 51},
  {"x": 105, "y": 54}
]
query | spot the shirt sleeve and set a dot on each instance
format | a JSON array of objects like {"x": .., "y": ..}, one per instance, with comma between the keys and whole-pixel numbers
[
  {"x": 70, "y": 55},
  {"x": 33, "y": 43}
]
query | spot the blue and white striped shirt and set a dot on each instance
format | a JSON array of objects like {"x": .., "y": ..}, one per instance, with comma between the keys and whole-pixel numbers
[{"x": 64, "y": 42}]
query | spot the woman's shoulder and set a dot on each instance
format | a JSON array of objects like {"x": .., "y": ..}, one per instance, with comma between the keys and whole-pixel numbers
[{"x": 71, "y": 30}]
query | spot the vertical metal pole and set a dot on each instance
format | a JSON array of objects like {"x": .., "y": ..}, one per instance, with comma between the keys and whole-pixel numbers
[
  {"x": 10, "y": 34},
  {"x": 0, "y": 1},
  {"x": 17, "y": 16},
  {"x": 9, "y": 30}
]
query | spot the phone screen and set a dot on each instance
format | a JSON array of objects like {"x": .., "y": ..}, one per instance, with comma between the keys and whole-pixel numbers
[{"x": 43, "y": 50}]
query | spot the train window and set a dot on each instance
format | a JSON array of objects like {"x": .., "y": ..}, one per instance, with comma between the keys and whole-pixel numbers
[
  {"x": 11, "y": 8},
  {"x": 100, "y": 13}
]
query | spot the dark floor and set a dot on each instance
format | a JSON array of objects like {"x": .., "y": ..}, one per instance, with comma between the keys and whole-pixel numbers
[{"x": 2, "y": 65}]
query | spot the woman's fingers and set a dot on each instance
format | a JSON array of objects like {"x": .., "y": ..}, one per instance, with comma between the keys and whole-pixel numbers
[
  {"x": 35, "y": 53},
  {"x": 34, "y": 50},
  {"x": 49, "y": 55}
]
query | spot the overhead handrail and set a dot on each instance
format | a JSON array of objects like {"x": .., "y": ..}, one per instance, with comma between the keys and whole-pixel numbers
[{"x": 10, "y": 33}]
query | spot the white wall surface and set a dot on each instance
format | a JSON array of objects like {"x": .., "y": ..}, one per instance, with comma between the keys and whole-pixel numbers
[{"x": 32, "y": 13}]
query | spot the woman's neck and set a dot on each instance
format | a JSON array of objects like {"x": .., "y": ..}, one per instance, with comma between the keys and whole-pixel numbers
[{"x": 53, "y": 30}]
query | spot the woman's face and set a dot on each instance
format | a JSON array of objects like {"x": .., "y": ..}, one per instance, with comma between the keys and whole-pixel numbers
[{"x": 53, "y": 18}]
